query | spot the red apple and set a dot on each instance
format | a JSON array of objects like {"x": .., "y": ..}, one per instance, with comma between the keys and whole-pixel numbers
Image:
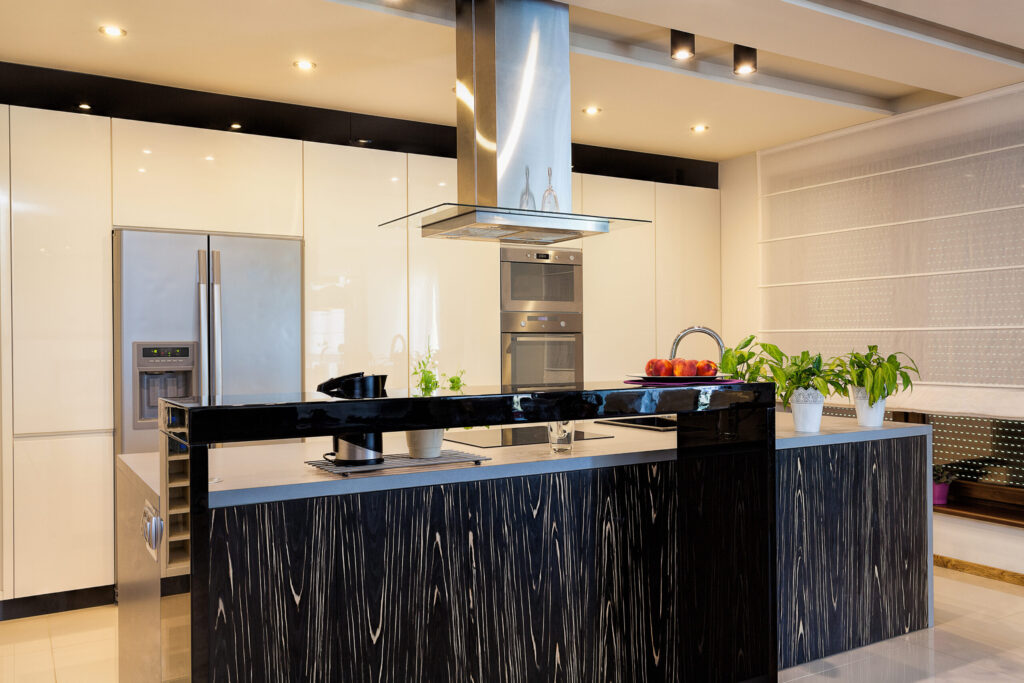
[
  {"x": 649, "y": 369},
  {"x": 707, "y": 368}
]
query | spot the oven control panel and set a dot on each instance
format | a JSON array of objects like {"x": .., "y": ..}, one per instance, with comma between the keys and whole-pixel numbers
[
  {"x": 571, "y": 257},
  {"x": 546, "y": 323}
]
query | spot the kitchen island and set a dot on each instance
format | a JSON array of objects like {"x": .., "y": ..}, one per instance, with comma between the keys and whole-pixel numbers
[{"x": 649, "y": 556}]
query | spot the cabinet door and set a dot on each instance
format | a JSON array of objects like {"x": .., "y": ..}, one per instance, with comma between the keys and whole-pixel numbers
[
  {"x": 195, "y": 179},
  {"x": 355, "y": 271},
  {"x": 454, "y": 286},
  {"x": 619, "y": 333},
  {"x": 688, "y": 268},
  {"x": 63, "y": 513},
  {"x": 6, "y": 459},
  {"x": 61, "y": 273}
]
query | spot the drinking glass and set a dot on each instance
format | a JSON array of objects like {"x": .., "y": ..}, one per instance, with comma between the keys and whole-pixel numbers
[{"x": 560, "y": 435}]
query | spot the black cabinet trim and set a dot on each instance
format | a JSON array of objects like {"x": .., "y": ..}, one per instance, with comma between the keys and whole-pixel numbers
[{"x": 42, "y": 88}]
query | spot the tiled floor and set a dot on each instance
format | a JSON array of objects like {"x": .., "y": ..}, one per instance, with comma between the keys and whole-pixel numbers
[{"x": 978, "y": 636}]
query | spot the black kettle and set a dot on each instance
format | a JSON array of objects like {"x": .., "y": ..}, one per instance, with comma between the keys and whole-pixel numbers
[{"x": 356, "y": 448}]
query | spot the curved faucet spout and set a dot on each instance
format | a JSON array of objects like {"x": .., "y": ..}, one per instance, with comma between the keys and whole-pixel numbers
[{"x": 703, "y": 330}]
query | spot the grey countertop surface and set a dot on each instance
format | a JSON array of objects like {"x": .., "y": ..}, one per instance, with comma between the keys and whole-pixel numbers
[{"x": 243, "y": 475}]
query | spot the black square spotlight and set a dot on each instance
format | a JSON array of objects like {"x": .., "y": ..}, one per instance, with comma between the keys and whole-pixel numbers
[
  {"x": 683, "y": 45},
  {"x": 744, "y": 60}
]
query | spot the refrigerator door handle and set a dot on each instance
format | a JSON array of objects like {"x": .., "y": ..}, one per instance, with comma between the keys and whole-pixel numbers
[
  {"x": 218, "y": 337},
  {"x": 204, "y": 333}
]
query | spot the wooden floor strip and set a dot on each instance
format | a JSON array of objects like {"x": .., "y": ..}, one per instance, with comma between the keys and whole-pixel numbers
[{"x": 980, "y": 570}]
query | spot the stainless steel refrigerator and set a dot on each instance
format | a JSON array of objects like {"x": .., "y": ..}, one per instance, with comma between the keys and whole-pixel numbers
[{"x": 201, "y": 315}]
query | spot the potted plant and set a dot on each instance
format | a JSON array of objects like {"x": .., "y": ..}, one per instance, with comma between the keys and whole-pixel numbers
[
  {"x": 743, "y": 361},
  {"x": 942, "y": 477},
  {"x": 426, "y": 443},
  {"x": 874, "y": 377},
  {"x": 803, "y": 381}
]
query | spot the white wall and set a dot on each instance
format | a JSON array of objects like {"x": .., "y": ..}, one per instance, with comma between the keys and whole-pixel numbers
[
  {"x": 741, "y": 263},
  {"x": 992, "y": 545}
]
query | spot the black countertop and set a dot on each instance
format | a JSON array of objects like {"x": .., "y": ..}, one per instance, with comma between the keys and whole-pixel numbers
[{"x": 283, "y": 416}]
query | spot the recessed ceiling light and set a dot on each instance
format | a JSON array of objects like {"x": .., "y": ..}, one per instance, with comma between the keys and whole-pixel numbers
[
  {"x": 142, "y": 170},
  {"x": 84, "y": 107},
  {"x": 113, "y": 31},
  {"x": 304, "y": 65},
  {"x": 442, "y": 184},
  {"x": 592, "y": 110},
  {"x": 147, "y": 151},
  {"x": 209, "y": 158},
  {"x": 235, "y": 126},
  {"x": 394, "y": 179},
  {"x": 700, "y": 128}
]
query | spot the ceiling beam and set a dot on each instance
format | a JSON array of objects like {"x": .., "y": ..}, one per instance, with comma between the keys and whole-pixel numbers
[
  {"x": 909, "y": 26},
  {"x": 442, "y": 12}
]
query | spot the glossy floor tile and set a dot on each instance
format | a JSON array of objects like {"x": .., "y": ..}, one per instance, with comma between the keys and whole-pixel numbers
[{"x": 978, "y": 636}]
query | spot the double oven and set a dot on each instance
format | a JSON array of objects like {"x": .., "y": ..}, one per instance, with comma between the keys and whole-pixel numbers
[{"x": 541, "y": 318}]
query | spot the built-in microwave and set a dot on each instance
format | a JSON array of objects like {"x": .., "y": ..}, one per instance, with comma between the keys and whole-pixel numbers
[{"x": 548, "y": 280}]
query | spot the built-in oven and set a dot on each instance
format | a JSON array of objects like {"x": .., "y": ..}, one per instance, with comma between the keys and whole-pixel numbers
[
  {"x": 541, "y": 350},
  {"x": 549, "y": 280}
]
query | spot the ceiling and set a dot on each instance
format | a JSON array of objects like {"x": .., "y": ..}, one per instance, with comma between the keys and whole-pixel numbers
[{"x": 381, "y": 63}]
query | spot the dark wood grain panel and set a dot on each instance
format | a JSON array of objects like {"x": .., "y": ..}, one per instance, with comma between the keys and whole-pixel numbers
[
  {"x": 563, "y": 577},
  {"x": 852, "y": 526},
  {"x": 566, "y": 577}
]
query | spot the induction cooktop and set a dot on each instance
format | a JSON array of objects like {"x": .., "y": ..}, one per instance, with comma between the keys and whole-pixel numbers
[{"x": 510, "y": 436}]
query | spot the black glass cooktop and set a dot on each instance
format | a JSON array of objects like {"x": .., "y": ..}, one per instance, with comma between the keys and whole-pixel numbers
[{"x": 510, "y": 436}]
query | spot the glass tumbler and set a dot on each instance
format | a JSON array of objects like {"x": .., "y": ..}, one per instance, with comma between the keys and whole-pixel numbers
[{"x": 560, "y": 435}]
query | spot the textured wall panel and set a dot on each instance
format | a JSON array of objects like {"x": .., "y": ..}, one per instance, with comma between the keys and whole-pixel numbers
[{"x": 853, "y": 550}]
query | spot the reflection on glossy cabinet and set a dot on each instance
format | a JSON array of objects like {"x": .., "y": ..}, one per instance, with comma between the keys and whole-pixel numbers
[
  {"x": 61, "y": 282},
  {"x": 63, "y": 514},
  {"x": 355, "y": 271},
  {"x": 196, "y": 179},
  {"x": 618, "y": 280},
  {"x": 454, "y": 294},
  {"x": 688, "y": 266}
]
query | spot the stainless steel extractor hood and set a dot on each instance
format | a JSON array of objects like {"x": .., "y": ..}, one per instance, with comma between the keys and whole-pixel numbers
[{"x": 513, "y": 127}]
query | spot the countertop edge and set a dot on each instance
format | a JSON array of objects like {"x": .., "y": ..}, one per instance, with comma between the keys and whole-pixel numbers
[
  {"x": 889, "y": 430},
  {"x": 431, "y": 477}
]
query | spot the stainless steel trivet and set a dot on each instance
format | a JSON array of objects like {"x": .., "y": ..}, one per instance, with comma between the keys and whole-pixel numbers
[{"x": 447, "y": 457}]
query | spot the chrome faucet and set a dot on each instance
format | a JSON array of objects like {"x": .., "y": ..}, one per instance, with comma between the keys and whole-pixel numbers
[{"x": 698, "y": 328}]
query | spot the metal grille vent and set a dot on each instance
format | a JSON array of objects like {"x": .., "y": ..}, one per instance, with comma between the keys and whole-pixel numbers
[{"x": 980, "y": 449}]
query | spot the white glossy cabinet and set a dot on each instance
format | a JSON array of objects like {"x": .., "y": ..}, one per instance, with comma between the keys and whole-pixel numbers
[
  {"x": 355, "y": 271},
  {"x": 6, "y": 444},
  {"x": 619, "y": 325},
  {"x": 454, "y": 295},
  {"x": 687, "y": 268},
  {"x": 63, "y": 526},
  {"x": 196, "y": 179},
  {"x": 61, "y": 271}
]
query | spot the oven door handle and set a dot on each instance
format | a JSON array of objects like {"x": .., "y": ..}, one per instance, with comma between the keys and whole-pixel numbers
[{"x": 544, "y": 337}]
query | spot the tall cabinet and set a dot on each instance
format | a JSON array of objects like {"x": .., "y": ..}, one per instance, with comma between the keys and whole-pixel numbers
[
  {"x": 6, "y": 367},
  {"x": 62, "y": 338}
]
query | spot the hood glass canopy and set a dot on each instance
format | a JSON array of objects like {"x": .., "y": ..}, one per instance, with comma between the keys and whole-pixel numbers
[{"x": 512, "y": 226}]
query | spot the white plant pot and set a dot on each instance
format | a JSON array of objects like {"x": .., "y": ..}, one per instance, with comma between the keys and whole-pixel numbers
[
  {"x": 807, "y": 405},
  {"x": 868, "y": 415},
  {"x": 424, "y": 443}
]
